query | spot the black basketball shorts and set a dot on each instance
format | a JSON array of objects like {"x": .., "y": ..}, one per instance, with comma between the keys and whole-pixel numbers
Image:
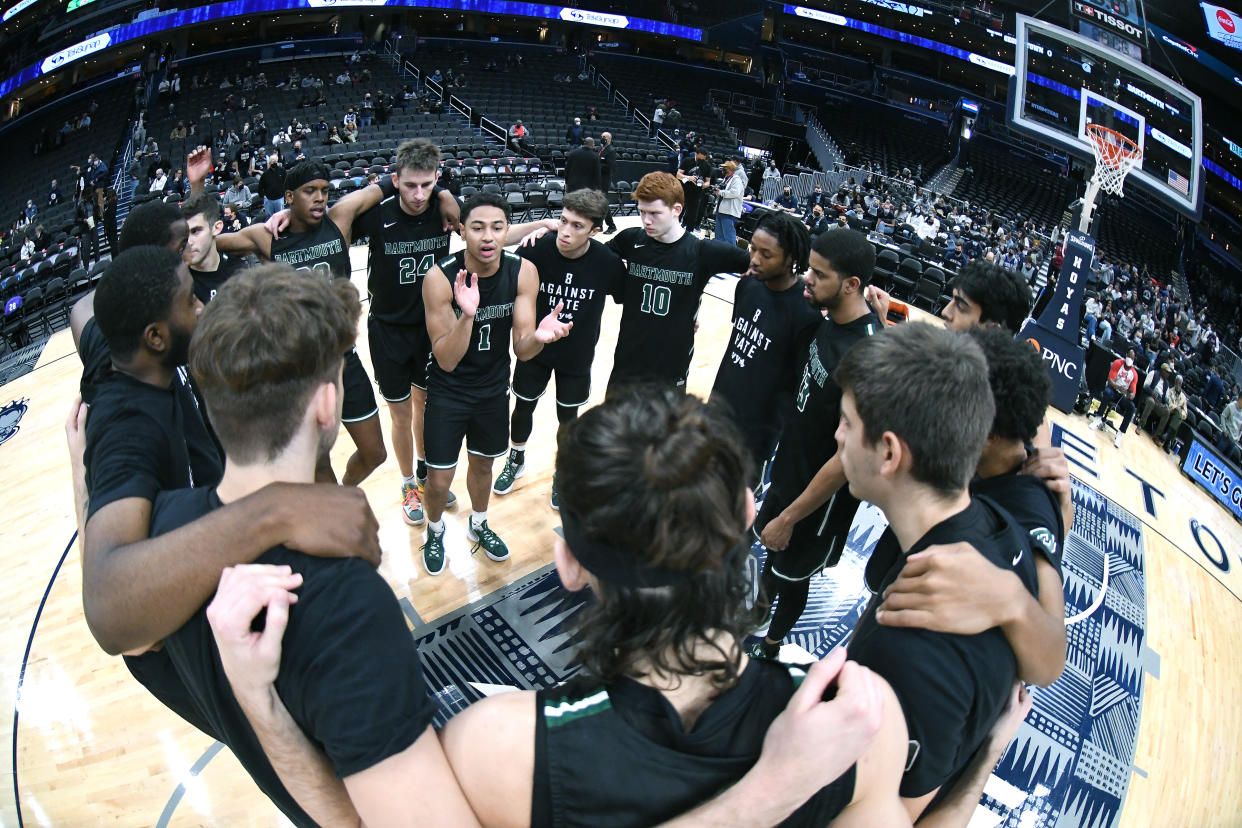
[
  {"x": 447, "y": 419},
  {"x": 399, "y": 354},
  {"x": 359, "y": 401},
  {"x": 530, "y": 380}
]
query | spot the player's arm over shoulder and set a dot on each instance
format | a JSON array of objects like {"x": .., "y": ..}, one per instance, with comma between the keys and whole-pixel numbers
[
  {"x": 251, "y": 240},
  {"x": 491, "y": 748}
]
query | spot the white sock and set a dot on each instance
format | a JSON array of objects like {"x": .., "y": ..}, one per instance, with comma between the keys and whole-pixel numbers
[
  {"x": 412, "y": 480},
  {"x": 436, "y": 526},
  {"x": 477, "y": 518}
]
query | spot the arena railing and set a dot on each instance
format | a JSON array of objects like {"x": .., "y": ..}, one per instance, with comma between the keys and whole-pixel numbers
[{"x": 494, "y": 129}]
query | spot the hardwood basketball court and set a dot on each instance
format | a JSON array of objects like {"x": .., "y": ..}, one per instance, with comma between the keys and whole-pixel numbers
[{"x": 90, "y": 747}]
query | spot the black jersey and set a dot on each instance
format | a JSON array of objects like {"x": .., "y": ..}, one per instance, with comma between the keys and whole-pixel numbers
[
  {"x": 347, "y": 649},
  {"x": 321, "y": 250},
  {"x": 403, "y": 248},
  {"x": 663, "y": 287},
  {"x": 583, "y": 285},
  {"x": 483, "y": 371},
  {"x": 653, "y": 769},
  {"x": 807, "y": 441},
  {"x": 770, "y": 332},
  {"x": 207, "y": 282},
  {"x": 1034, "y": 508},
  {"x": 96, "y": 359},
  {"x": 952, "y": 688}
]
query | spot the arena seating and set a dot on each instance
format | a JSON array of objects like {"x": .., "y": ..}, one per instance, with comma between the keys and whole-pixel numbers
[
  {"x": 886, "y": 139},
  {"x": 544, "y": 93},
  {"x": 689, "y": 86},
  {"x": 1005, "y": 185}
]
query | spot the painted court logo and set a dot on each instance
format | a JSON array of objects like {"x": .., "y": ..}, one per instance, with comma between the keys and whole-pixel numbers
[{"x": 10, "y": 416}]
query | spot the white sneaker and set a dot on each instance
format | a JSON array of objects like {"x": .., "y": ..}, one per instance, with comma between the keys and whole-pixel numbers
[
  {"x": 1098, "y": 423},
  {"x": 1117, "y": 440}
]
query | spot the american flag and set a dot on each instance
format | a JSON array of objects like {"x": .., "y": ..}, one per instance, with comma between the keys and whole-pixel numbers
[{"x": 1179, "y": 182}]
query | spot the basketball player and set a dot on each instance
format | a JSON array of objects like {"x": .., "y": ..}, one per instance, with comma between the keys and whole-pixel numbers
[
  {"x": 476, "y": 301},
  {"x": 983, "y": 294},
  {"x": 668, "y": 269},
  {"x": 580, "y": 273},
  {"x": 321, "y": 247},
  {"x": 408, "y": 232},
  {"x": 662, "y": 653},
  {"x": 145, "y": 434},
  {"x": 958, "y": 590},
  {"x": 152, "y": 223},
  {"x": 208, "y": 266},
  {"x": 794, "y": 522},
  {"x": 916, "y": 409},
  {"x": 771, "y": 323},
  {"x": 268, "y": 354}
]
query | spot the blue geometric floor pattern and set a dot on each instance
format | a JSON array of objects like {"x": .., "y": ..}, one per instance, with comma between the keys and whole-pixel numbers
[{"x": 1069, "y": 765}]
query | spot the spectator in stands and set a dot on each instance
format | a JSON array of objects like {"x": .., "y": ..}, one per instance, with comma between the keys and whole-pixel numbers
[
  {"x": 1213, "y": 389},
  {"x": 1171, "y": 422},
  {"x": 607, "y": 163},
  {"x": 657, "y": 118},
  {"x": 53, "y": 196},
  {"x": 519, "y": 137},
  {"x": 28, "y": 248},
  {"x": 244, "y": 161},
  {"x": 238, "y": 195},
  {"x": 233, "y": 219},
  {"x": 672, "y": 118},
  {"x": 1157, "y": 388},
  {"x": 42, "y": 240},
  {"x": 178, "y": 185},
  {"x": 729, "y": 210},
  {"x": 350, "y": 125},
  {"x": 771, "y": 183},
  {"x": 272, "y": 186},
  {"x": 787, "y": 201},
  {"x": 159, "y": 182},
  {"x": 1119, "y": 393},
  {"x": 383, "y": 107},
  {"x": 31, "y": 210},
  {"x": 105, "y": 208},
  {"x": 575, "y": 133},
  {"x": 179, "y": 132},
  {"x": 1091, "y": 316},
  {"x": 366, "y": 110},
  {"x": 1231, "y": 425},
  {"x": 342, "y": 78},
  {"x": 334, "y": 136},
  {"x": 582, "y": 167},
  {"x": 818, "y": 223},
  {"x": 296, "y": 153}
]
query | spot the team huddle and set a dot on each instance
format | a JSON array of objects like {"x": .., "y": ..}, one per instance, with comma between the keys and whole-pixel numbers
[{"x": 237, "y": 578}]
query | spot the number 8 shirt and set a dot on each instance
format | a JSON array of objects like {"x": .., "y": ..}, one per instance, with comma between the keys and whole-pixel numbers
[{"x": 660, "y": 300}]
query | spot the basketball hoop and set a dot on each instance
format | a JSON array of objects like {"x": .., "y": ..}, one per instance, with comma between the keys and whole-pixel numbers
[{"x": 1115, "y": 156}]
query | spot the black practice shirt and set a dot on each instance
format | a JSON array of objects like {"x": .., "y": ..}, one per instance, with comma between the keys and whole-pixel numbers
[
  {"x": 319, "y": 250},
  {"x": 208, "y": 282},
  {"x": 349, "y": 672},
  {"x": 483, "y": 372},
  {"x": 583, "y": 285},
  {"x": 96, "y": 359},
  {"x": 770, "y": 332},
  {"x": 952, "y": 688},
  {"x": 403, "y": 248},
  {"x": 660, "y": 301},
  {"x": 142, "y": 440},
  {"x": 808, "y": 440},
  {"x": 651, "y": 769}
]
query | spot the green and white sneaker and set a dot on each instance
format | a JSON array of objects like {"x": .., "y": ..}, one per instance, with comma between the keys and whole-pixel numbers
[
  {"x": 764, "y": 651},
  {"x": 412, "y": 505},
  {"x": 554, "y": 500},
  {"x": 487, "y": 540},
  {"x": 508, "y": 476},
  {"x": 433, "y": 552},
  {"x": 422, "y": 488}
]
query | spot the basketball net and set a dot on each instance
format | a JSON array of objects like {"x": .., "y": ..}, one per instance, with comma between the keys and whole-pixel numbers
[{"x": 1115, "y": 156}]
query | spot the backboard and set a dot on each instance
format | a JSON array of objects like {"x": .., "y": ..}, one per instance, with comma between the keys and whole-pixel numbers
[{"x": 1064, "y": 81}]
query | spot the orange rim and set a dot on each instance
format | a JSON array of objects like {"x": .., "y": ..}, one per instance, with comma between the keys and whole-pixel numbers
[{"x": 1112, "y": 148}]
